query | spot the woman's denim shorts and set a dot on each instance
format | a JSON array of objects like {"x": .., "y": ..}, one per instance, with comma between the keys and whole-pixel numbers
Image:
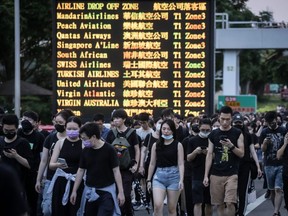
[{"x": 166, "y": 178}]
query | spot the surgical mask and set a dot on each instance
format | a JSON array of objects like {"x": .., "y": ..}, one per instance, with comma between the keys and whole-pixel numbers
[
  {"x": 72, "y": 134},
  {"x": 10, "y": 135},
  {"x": 158, "y": 127},
  {"x": 87, "y": 143},
  {"x": 26, "y": 126},
  {"x": 167, "y": 137},
  {"x": 204, "y": 134},
  {"x": 59, "y": 128}
]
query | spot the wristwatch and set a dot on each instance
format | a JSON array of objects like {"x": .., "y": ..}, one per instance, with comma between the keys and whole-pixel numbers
[{"x": 233, "y": 147}]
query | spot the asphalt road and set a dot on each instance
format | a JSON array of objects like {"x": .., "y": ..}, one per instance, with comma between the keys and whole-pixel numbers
[{"x": 261, "y": 207}]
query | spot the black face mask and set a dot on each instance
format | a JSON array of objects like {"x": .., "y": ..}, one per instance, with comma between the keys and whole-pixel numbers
[
  {"x": 59, "y": 128},
  {"x": 273, "y": 125},
  {"x": 195, "y": 128},
  {"x": 26, "y": 126},
  {"x": 238, "y": 126},
  {"x": 10, "y": 135}
]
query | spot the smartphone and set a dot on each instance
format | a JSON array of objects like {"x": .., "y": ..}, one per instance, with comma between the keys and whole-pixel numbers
[
  {"x": 62, "y": 161},
  {"x": 223, "y": 137},
  {"x": 203, "y": 147}
]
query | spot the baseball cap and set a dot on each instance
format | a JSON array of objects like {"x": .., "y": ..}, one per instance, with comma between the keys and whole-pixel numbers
[{"x": 238, "y": 118}]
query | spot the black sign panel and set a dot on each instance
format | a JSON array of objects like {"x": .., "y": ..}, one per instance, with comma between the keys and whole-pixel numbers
[{"x": 142, "y": 56}]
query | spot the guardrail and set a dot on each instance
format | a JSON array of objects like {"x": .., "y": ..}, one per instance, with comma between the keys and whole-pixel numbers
[{"x": 222, "y": 22}]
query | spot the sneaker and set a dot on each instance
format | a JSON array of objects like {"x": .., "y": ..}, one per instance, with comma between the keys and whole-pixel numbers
[{"x": 138, "y": 207}]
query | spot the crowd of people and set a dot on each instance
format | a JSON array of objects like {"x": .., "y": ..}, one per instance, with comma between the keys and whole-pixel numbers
[{"x": 192, "y": 164}]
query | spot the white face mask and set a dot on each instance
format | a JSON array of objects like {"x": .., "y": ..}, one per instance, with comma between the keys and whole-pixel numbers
[
  {"x": 158, "y": 127},
  {"x": 214, "y": 128},
  {"x": 204, "y": 134},
  {"x": 167, "y": 137}
]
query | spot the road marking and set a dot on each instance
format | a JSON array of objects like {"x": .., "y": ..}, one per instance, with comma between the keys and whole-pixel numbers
[{"x": 255, "y": 204}]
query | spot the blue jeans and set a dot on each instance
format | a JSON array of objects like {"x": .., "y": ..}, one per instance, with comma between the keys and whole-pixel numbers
[
  {"x": 47, "y": 200},
  {"x": 274, "y": 177},
  {"x": 166, "y": 178}
]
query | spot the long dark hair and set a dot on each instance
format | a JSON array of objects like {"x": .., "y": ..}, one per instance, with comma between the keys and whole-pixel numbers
[{"x": 171, "y": 124}]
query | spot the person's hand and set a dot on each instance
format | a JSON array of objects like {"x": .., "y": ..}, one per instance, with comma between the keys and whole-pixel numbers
[
  {"x": 133, "y": 169},
  {"x": 38, "y": 186},
  {"x": 10, "y": 153},
  {"x": 198, "y": 150},
  {"x": 121, "y": 199},
  {"x": 149, "y": 186},
  {"x": 62, "y": 165},
  {"x": 181, "y": 185},
  {"x": 141, "y": 170},
  {"x": 206, "y": 182},
  {"x": 73, "y": 197},
  {"x": 260, "y": 173},
  {"x": 226, "y": 143}
]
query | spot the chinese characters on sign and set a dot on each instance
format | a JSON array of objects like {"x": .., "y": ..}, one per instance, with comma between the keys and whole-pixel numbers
[{"x": 139, "y": 55}]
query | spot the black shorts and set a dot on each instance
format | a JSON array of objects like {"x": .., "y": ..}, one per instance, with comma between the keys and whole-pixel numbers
[{"x": 200, "y": 193}]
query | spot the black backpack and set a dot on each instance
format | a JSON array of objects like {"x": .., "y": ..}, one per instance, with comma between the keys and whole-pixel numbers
[{"x": 121, "y": 145}]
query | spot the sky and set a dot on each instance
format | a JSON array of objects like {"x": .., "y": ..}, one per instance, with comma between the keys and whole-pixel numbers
[{"x": 278, "y": 7}]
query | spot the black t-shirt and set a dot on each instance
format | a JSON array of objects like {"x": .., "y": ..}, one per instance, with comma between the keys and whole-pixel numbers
[
  {"x": 181, "y": 133},
  {"x": 187, "y": 165},
  {"x": 22, "y": 148},
  {"x": 36, "y": 140},
  {"x": 198, "y": 164},
  {"x": 71, "y": 152},
  {"x": 167, "y": 155},
  {"x": 225, "y": 162},
  {"x": 247, "y": 143},
  {"x": 99, "y": 164},
  {"x": 148, "y": 143},
  {"x": 49, "y": 144},
  {"x": 12, "y": 202},
  {"x": 277, "y": 139},
  {"x": 132, "y": 139}
]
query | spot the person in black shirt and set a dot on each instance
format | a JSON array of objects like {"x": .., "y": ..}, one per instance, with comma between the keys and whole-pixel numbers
[
  {"x": 226, "y": 143},
  {"x": 99, "y": 161},
  {"x": 245, "y": 163},
  {"x": 15, "y": 151},
  {"x": 119, "y": 117},
  {"x": 167, "y": 157},
  {"x": 36, "y": 139},
  {"x": 12, "y": 202},
  {"x": 196, "y": 154},
  {"x": 271, "y": 140}
]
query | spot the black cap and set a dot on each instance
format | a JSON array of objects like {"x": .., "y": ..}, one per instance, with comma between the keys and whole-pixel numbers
[{"x": 238, "y": 118}]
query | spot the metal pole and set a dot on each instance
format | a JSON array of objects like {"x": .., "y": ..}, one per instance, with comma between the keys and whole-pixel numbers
[{"x": 17, "y": 96}]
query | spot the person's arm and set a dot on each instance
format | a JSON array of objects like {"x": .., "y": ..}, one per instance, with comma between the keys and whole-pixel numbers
[
  {"x": 281, "y": 151},
  {"x": 152, "y": 166},
  {"x": 255, "y": 158},
  {"x": 41, "y": 169},
  {"x": 208, "y": 163},
  {"x": 193, "y": 155},
  {"x": 78, "y": 180},
  {"x": 265, "y": 144},
  {"x": 181, "y": 165},
  {"x": 142, "y": 157},
  {"x": 137, "y": 158},
  {"x": 12, "y": 153},
  {"x": 118, "y": 180},
  {"x": 53, "y": 165},
  {"x": 239, "y": 150}
]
